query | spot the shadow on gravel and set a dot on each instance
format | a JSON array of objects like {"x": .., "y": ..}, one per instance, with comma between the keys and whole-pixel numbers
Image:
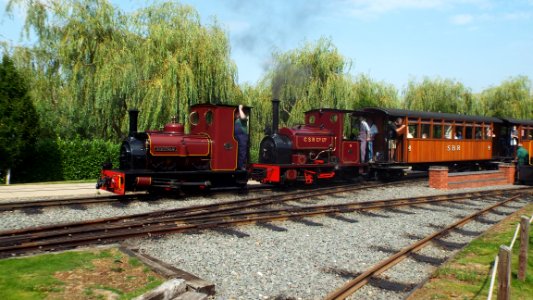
[
  {"x": 465, "y": 232},
  {"x": 482, "y": 220},
  {"x": 413, "y": 237},
  {"x": 399, "y": 211},
  {"x": 305, "y": 222},
  {"x": 341, "y": 218},
  {"x": 381, "y": 283},
  {"x": 77, "y": 206},
  {"x": 231, "y": 231},
  {"x": 271, "y": 226},
  {"x": 193, "y": 232},
  {"x": 421, "y": 207},
  {"x": 500, "y": 213},
  {"x": 371, "y": 214},
  {"x": 337, "y": 196},
  {"x": 32, "y": 210},
  {"x": 449, "y": 245},
  {"x": 466, "y": 203},
  {"x": 121, "y": 204},
  {"x": 310, "y": 201},
  {"x": 283, "y": 297},
  {"x": 434, "y": 261},
  {"x": 450, "y": 205}
]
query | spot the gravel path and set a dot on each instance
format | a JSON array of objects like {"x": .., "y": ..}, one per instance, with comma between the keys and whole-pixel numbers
[{"x": 297, "y": 259}]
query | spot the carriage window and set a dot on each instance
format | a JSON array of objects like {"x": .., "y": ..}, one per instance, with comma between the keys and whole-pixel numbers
[
  {"x": 448, "y": 131},
  {"x": 458, "y": 133},
  {"x": 413, "y": 132},
  {"x": 194, "y": 118},
  {"x": 527, "y": 132},
  {"x": 412, "y": 128},
  {"x": 425, "y": 130},
  {"x": 437, "y": 131},
  {"x": 209, "y": 117},
  {"x": 312, "y": 119},
  {"x": 469, "y": 131},
  {"x": 334, "y": 118},
  {"x": 488, "y": 132},
  {"x": 479, "y": 132}
]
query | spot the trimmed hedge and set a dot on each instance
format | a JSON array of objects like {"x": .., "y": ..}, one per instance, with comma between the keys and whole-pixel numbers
[{"x": 57, "y": 160}]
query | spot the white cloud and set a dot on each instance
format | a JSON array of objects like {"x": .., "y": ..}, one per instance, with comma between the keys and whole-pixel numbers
[{"x": 463, "y": 19}]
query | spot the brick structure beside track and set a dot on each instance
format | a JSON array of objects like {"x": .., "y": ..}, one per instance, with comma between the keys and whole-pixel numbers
[{"x": 439, "y": 178}]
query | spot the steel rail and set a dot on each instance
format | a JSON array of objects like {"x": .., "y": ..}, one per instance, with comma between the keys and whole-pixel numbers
[{"x": 353, "y": 285}]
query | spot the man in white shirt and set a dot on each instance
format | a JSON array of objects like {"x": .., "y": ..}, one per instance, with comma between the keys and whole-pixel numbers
[{"x": 364, "y": 136}]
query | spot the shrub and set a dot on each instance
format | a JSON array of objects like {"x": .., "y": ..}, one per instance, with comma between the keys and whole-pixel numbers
[{"x": 55, "y": 160}]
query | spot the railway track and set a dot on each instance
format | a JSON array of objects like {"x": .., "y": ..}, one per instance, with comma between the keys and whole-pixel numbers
[
  {"x": 353, "y": 285},
  {"x": 47, "y": 203},
  {"x": 251, "y": 210}
]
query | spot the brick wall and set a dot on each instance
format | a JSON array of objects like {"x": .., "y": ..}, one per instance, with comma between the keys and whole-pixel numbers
[{"x": 439, "y": 178}]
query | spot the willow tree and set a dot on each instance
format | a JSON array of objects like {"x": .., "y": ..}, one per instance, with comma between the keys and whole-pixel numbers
[
  {"x": 308, "y": 77},
  {"x": 438, "y": 95},
  {"x": 370, "y": 93},
  {"x": 512, "y": 98},
  {"x": 92, "y": 62}
]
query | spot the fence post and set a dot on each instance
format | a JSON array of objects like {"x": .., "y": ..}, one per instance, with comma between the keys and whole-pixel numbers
[
  {"x": 504, "y": 273},
  {"x": 524, "y": 244}
]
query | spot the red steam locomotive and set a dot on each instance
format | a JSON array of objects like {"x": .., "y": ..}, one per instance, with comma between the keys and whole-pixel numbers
[{"x": 172, "y": 159}]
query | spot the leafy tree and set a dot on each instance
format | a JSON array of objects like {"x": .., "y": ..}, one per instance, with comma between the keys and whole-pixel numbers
[
  {"x": 369, "y": 93},
  {"x": 438, "y": 95},
  {"x": 512, "y": 98},
  {"x": 18, "y": 118},
  {"x": 92, "y": 62}
]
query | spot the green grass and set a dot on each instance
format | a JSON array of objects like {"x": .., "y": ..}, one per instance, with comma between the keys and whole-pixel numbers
[
  {"x": 32, "y": 278},
  {"x": 467, "y": 276}
]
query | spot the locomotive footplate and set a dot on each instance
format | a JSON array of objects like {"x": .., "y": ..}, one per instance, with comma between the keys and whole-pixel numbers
[
  {"x": 283, "y": 173},
  {"x": 120, "y": 182}
]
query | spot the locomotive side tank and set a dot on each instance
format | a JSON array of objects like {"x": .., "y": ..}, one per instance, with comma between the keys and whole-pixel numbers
[{"x": 170, "y": 159}]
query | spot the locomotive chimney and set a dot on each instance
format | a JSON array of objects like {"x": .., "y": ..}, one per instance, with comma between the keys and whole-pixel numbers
[
  {"x": 133, "y": 121},
  {"x": 275, "y": 116}
]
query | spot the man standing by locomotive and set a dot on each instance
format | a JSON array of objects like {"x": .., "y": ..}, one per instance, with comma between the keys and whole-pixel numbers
[
  {"x": 364, "y": 136},
  {"x": 241, "y": 135}
]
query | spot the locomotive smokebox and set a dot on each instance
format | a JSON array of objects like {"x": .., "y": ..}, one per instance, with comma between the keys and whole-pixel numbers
[
  {"x": 134, "y": 113},
  {"x": 275, "y": 116}
]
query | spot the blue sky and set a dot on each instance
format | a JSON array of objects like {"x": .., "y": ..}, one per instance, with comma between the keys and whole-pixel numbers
[{"x": 477, "y": 42}]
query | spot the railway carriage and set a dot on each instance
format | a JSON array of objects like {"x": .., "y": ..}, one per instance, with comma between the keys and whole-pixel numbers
[{"x": 434, "y": 139}]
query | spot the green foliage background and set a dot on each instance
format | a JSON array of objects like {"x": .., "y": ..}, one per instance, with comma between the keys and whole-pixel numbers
[
  {"x": 61, "y": 159},
  {"x": 92, "y": 62}
]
